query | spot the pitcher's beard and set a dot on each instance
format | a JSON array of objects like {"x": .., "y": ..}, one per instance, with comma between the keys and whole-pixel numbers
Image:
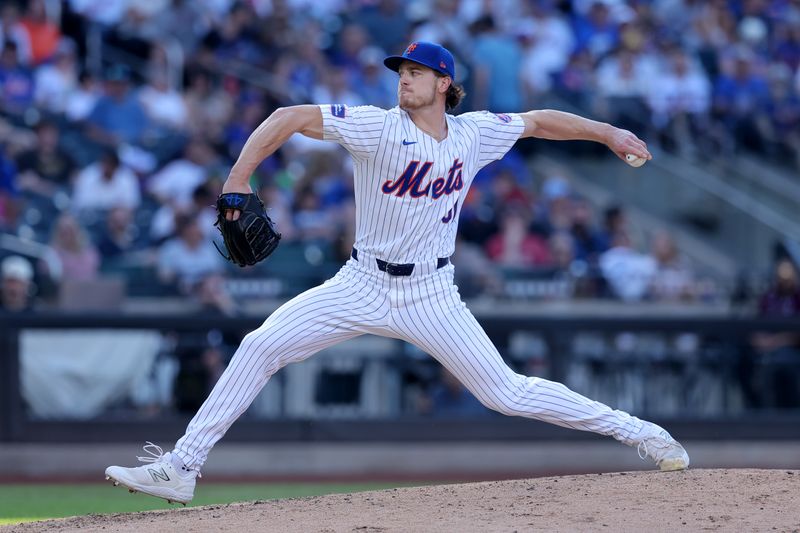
[{"x": 412, "y": 102}]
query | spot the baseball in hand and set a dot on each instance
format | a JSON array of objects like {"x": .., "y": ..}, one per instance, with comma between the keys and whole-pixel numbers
[{"x": 635, "y": 160}]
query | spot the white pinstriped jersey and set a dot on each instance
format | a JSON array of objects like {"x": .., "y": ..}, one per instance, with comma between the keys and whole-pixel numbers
[{"x": 409, "y": 187}]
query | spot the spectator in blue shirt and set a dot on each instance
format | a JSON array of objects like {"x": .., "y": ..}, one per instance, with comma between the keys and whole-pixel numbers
[
  {"x": 386, "y": 22},
  {"x": 8, "y": 175},
  {"x": 375, "y": 84},
  {"x": 741, "y": 96},
  {"x": 498, "y": 59},
  {"x": 16, "y": 82},
  {"x": 234, "y": 39},
  {"x": 118, "y": 117},
  {"x": 8, "y": 192},
  {"x": 596, "y": 31}
]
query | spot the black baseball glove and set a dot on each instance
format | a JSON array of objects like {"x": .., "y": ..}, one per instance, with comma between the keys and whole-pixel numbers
[{"x": 250, "y": 238}]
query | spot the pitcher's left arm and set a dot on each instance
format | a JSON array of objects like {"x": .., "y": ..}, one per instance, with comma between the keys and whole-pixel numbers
[{"x": 563, "y": 126}]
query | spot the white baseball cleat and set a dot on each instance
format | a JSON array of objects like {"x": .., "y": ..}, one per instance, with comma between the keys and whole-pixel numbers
[
  {"x": 656, "y": 443},
  {"x": 160, "y": 478}
]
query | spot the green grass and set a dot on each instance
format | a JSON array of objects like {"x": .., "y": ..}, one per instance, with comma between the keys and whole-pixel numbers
[{"x": 24, "y": 503}]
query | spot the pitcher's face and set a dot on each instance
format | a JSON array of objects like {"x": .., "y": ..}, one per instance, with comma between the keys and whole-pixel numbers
[{"x": 416, "y": 87}]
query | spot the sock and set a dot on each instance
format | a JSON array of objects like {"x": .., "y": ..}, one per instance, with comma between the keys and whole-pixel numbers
[{"x": 179, "y": 466}]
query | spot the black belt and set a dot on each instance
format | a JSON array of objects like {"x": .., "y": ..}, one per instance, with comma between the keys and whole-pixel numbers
[{"x": 400, "y": 269}]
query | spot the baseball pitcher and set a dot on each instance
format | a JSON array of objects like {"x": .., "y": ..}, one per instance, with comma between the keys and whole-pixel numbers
[{"x": 413, "y": 166}]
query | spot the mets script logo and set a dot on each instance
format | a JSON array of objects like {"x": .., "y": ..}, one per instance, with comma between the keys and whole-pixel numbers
[
  {"x": 338, "y": 110},
  {"x": 158, "y": 474},
  {"x": 411, "y": 48},
  {"x": 410, "y": 181},
  {"x": 234, "y": 200},
  {"x": 503, "y": 117}
]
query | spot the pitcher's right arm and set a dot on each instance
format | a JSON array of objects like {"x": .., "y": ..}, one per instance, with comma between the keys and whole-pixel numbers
[{"x": 268, "y": 137}]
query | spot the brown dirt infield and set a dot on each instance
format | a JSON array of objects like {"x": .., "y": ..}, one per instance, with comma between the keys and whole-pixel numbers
[{"x": 693, "y": 500}]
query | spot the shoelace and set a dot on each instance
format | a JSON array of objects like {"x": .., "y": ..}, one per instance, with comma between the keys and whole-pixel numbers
[
  {"x": 155, "y": 451},
  {"x": 642, "y": 446},
  {"x": 156, "y": 455},
  {"x": 642, "y": 450}
]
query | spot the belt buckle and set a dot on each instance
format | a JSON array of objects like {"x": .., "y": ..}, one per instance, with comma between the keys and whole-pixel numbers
[{"x": 393, "y": 269}]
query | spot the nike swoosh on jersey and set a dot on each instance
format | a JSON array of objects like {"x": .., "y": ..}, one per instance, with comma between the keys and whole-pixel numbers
[{"x": 406, "y": 143}]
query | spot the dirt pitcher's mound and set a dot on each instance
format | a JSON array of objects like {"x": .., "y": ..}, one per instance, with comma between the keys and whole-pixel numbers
[{"x": 694, "y": 500}]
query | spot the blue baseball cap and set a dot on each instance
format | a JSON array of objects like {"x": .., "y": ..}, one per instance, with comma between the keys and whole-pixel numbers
[{"x": 431, "y": 55}]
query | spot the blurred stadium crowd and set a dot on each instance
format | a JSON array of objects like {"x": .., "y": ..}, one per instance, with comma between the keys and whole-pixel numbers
[{"x": 120, "y": 118}]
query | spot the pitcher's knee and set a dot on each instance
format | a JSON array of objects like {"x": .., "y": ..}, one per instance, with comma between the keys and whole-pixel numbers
[
  {"x": 507, "y": 397},
  {"x": 254, "y": 341},
  {"x": 272, "y": 352},
  {"x": 501, "y": 406},
  {"x": 257, "y": 345}
]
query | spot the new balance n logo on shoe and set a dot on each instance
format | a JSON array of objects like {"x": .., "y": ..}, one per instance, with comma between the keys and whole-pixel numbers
[{"x": 158, "y": 474}]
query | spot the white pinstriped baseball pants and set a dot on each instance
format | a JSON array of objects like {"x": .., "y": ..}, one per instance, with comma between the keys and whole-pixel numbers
[{"x": 424, "y": 309}]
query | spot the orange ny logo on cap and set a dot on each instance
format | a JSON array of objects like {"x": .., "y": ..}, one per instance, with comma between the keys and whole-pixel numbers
[
  {"x": 411, "y": 48},
  {"x": 442, "y": 65}
]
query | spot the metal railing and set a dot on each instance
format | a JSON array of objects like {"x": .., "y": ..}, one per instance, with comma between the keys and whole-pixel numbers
[
  {"x": 638, "y": 364},
  {"x": 11, "y": 244}
]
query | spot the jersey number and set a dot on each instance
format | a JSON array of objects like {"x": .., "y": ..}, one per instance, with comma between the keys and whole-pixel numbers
[{"x": 451, "y": 214}]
